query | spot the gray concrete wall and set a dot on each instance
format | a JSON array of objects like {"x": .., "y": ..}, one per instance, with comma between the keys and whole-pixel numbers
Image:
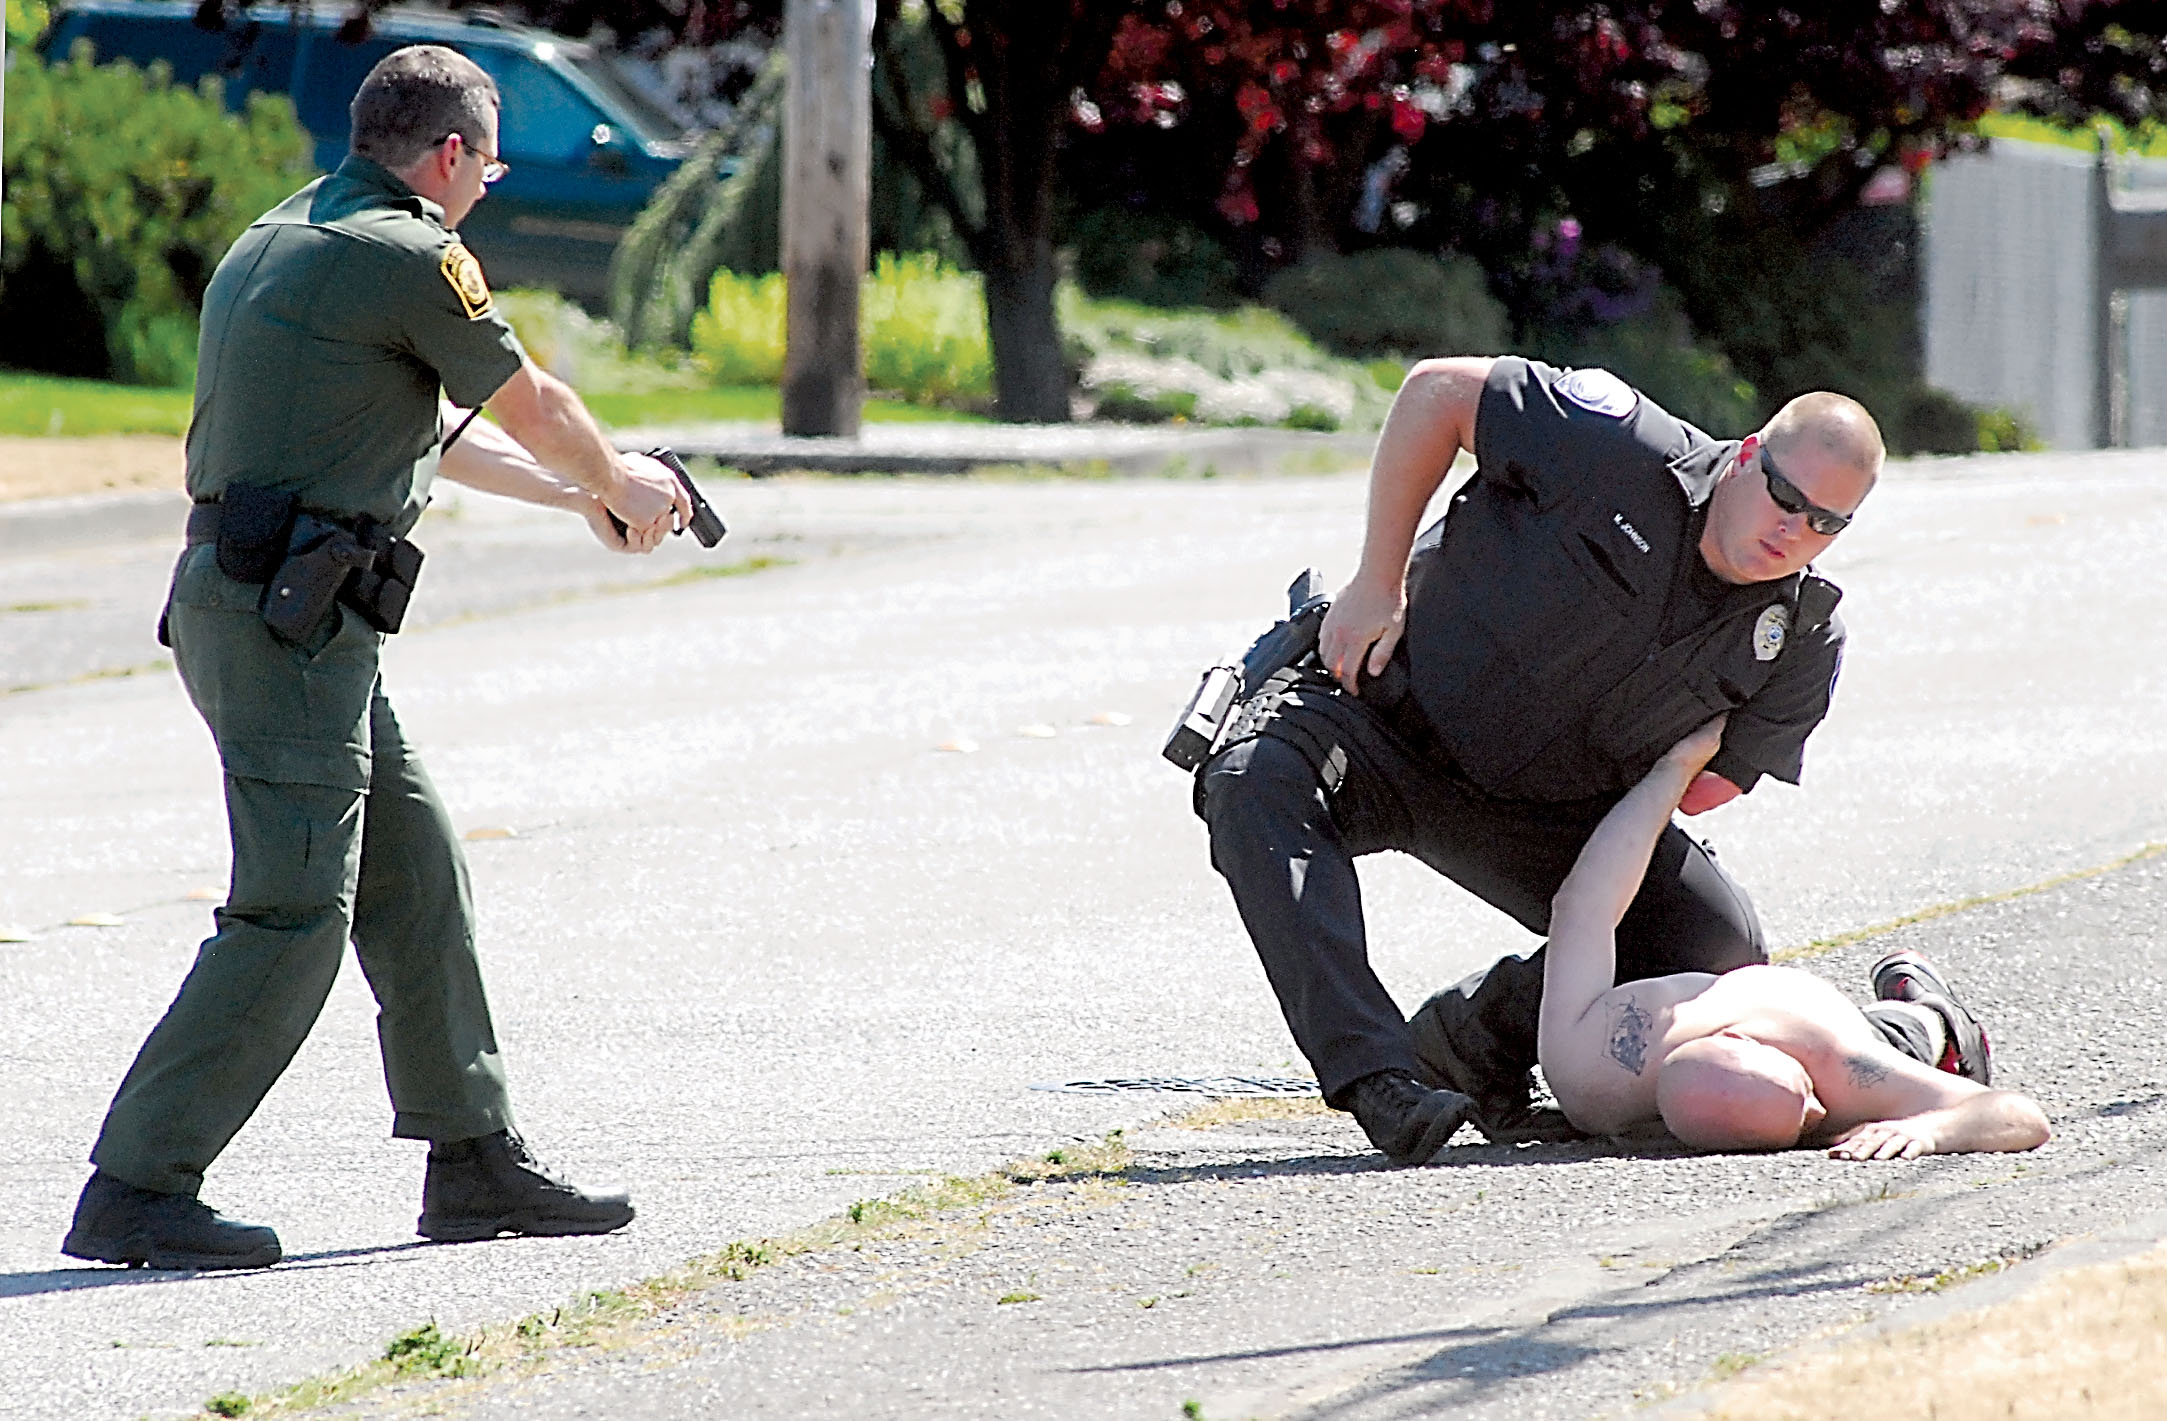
[
  {"x": 2009, "y": 269},
  {"x": 2147, "y": 331},
  {"x": 2009, "y": 291}
]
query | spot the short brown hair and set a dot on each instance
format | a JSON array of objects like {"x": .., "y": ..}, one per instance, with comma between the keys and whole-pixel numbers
[{"x": 417, "y": 97}]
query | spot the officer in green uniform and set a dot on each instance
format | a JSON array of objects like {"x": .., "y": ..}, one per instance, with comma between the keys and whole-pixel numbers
[{"x": 328, "y": 332}]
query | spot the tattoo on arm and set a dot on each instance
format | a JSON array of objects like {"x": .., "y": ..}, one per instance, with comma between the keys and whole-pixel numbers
[
  {"x": 1865, "y": 1070},
  {"x": 1629, "y": 1035}
]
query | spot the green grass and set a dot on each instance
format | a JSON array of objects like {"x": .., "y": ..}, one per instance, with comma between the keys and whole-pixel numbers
[
  {"x": 2148, "y": 141},
  {"x": 741, "y": 402},
  {"x": 49, "y": 404}
]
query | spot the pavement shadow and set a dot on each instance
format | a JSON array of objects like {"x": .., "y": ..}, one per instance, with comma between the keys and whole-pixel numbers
[
  {"x": 78, "y": 1279},
  {"x": 1475, "y": 1336},
  {"x": 1251, "y": 1169},
  {"x": 1482, "y": 1156}
]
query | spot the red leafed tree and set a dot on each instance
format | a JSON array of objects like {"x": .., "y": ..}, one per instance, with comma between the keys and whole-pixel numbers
[
  {"x": 1007, "y": 73},
  {"x": 1508, "y": 108},
  {"x": 1290, "y": 123}
]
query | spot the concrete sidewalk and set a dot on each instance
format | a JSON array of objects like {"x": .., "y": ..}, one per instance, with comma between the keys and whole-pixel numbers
[
  {"x": 1267, "y": 1267},
  {"x": 955, "y": 448}
]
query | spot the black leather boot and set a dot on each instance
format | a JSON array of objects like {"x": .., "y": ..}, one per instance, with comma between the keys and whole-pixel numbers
[
  {"x": 115, "y": 1222},
  {"x": 493, "y": 1184},
  {"x": 1409, "y": 1122},
  {"x": 1477, "y": 1037}
]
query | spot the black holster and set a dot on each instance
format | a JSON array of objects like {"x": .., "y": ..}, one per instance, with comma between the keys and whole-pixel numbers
[
  {"x": 380, "y": 591},
  {"x": 366, "y": 568},
  {"x": 254, "y": 527},
  {"x": 306, "y": 562},
  {"x": 320, "y": 557}
]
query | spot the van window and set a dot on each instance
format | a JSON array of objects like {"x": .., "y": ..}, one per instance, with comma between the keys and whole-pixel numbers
[
  {"x": 649, "y": 120},
  {"x": 545, "y": 119},
  {"x": 247, "y": 54},
  {"x": 332, "y": 76}
]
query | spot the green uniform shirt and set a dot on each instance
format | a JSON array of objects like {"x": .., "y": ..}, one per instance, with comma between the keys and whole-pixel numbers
[{"x": 327, "y": 330}]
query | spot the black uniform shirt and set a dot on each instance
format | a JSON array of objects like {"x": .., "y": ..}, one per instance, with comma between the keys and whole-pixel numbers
[
  {"x": 1563, "y": 630},
  {"x": 327, "y": 331}
]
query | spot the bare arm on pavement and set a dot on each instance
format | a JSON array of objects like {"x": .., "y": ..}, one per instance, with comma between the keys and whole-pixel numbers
[
  {"x": 1983, "y": 1121},
  {"x": 1431, "y": 421},
  {"x": 543, "y": 414}
]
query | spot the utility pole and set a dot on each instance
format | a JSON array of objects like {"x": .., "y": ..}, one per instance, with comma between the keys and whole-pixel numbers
[{"x": 827, "y": 169}]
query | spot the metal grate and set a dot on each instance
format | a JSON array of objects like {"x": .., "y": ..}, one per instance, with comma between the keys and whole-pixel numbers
[{"x": 1204, "y": 1085}]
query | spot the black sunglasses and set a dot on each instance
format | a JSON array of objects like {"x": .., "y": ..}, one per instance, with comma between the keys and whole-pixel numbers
[{"x": 1785, "y": 495}]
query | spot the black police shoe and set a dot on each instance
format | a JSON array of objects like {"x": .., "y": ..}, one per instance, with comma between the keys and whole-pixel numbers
[
  {"x": 1409, "y": 1122},
  {"x": 115, "y": 1222},
  {"x": 1504, "y": 1100},
  {"x": 493, "y": 1184},
  {"x": 1911, "y": 977}
]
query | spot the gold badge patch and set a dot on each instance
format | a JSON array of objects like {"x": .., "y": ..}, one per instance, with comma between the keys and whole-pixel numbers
[{"x": 465, "y": 275}]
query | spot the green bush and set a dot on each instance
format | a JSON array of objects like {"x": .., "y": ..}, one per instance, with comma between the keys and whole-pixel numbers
[
  {"x": 1933, "y": 422},
  {"x": 1151, "y": 258},
  {"x": 738, "y": 337},
  {"x": 25, "y": 22},
  {"x": 1656, "y": 351},
  {"x": 1245, "y": 366},
  {"x": 1392, "y": 301},
  {"x": 1226, "y": 343},
  {"x": 922, "y": 325},
  {"x": 131, "y": 189},
  {"x": 2007, "y": 432}
]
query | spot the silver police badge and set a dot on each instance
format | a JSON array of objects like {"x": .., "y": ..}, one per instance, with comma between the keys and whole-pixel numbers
[
  {"x": 1768, "y": 632},
  {"x": 1599, "y": 392}
]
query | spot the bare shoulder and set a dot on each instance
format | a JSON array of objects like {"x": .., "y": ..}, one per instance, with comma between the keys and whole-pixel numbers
[{"x": 1603, "y": 1073}]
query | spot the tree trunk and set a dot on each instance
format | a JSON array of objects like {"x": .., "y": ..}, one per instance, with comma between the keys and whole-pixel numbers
[
  {"x": 1030, "y": 384},
  {"x": 1019, "y": 66}
]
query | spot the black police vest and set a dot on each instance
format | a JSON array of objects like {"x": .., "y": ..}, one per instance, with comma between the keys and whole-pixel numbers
[{"x": 1535, "y": 631}]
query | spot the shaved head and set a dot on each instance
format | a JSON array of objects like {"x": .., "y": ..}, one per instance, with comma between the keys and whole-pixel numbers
[
  {"x": 1832, "y": 424},
  {"x": 1729, "y": 1092}
]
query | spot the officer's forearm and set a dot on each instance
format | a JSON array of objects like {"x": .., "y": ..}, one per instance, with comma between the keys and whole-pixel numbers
[
  {"x": 543, "y": 414},
  {"x": 487, "y": 458}
]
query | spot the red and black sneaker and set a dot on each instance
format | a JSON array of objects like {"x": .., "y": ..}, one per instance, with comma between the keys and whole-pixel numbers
[{"x": 1911, "y": 977}]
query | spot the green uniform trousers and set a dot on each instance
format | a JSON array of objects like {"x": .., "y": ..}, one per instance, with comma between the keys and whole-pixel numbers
[{"x": 337, "y": 834}]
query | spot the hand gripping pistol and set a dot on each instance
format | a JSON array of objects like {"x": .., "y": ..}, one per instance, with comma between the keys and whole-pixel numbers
[{"x": 1224, "y": 688}]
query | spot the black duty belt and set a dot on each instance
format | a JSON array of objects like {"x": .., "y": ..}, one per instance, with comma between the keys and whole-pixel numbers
[
  {"x": 207, "y": 517},
  {"x": 307, "y": 561}
]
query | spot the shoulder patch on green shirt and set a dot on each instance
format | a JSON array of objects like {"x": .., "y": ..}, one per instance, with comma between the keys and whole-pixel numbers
[{"x": 465, "y": 275}]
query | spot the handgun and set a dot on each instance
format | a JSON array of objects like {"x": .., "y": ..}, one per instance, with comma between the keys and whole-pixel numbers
[
  {"x": 705, "y": 525},
  {"x": 1197, "y": 734}
]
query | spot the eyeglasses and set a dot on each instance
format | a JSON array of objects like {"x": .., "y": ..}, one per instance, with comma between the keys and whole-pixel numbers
[
  {"x": 493, "y": 167},
  {"x": 1785, "y": 495}
]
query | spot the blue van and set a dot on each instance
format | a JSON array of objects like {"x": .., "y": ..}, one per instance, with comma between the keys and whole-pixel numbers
[{"x": 586, "y": 149}]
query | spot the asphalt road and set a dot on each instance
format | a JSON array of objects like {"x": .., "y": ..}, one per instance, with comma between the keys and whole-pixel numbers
[{"x": 757, "y": 946}]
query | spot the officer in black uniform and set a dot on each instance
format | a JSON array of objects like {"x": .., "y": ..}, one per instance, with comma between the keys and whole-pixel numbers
[
  {"x": 1610, "y": 578},
  {"x": 329, "y": 331}
]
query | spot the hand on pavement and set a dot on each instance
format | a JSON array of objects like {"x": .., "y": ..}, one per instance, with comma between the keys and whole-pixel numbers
[{"x": 1885, "y": 1139}]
